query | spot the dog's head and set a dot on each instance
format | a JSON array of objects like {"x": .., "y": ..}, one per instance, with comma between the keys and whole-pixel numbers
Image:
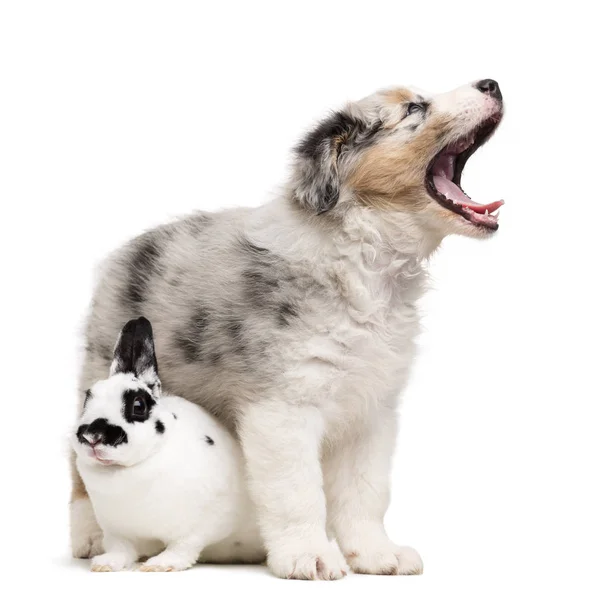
[{"x": 401, "y": 150}]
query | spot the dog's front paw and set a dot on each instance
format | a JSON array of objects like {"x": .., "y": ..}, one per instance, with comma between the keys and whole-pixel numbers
[
  {"x": 323, "y": 561},
  {"x": 111, "y": 561},
  {"x": 85, "y": 535},
  {"x": 388, "y": 559}
]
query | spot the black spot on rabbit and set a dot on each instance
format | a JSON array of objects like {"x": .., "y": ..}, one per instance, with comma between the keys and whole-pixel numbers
[
  {"x": 137, "y": 405},
  {"x": 103, "y": 432}
]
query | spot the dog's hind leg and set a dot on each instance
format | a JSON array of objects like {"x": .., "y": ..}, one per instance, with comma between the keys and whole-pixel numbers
[
  {"x": 86, "y": 537},
  {"x": 281, "y": 443},
  {"x": 357, "y": 484}
]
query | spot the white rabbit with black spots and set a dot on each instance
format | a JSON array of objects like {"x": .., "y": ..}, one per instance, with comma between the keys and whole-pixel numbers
[{"x": 166, "y": 480}]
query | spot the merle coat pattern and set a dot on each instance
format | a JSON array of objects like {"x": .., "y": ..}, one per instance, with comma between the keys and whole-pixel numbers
[{"x": 294, "y": 323}]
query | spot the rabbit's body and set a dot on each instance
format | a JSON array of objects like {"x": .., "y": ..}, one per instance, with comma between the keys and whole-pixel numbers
[
  {"x": 194, "y": 482},
  {"x": 166, "y": 480}
]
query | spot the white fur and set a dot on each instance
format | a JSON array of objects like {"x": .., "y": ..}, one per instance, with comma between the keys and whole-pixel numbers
[
  {"x": 338, "y": 401},
  {"x": 313, "y": 401}
]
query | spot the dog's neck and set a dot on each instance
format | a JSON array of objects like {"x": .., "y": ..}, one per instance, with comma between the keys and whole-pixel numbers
[
  {"x": 382, "y": 254},
  {"x": 394, "y": 235},
  {"x": 391, "y": 235}
]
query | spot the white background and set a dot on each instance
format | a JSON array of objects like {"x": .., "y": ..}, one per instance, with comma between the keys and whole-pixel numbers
[{"x": 117, "y": 116}]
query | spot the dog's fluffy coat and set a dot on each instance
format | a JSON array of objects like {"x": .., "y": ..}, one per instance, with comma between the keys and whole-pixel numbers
[{"x": 294, "y": 323}]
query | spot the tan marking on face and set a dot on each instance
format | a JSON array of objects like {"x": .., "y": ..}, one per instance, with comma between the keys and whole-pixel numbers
[
  {"x": 392, "y": 174},
  {"x": 398, "y": 96}
]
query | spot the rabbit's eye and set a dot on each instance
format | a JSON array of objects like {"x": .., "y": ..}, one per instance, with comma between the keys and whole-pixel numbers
[{"x": 139, "y": 407}]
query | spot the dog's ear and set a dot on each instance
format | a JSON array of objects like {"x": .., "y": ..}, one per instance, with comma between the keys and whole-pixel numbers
[
  {"x": 135, "y": 353},
  {"x": 317, "y": 183}
]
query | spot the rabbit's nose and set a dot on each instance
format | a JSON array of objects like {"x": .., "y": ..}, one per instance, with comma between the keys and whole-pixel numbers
[
  {"x": 91, "y": 434},
  {"x": 93, "y": 438}
]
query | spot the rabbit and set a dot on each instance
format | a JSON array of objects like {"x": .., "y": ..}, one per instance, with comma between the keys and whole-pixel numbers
[{"x": 166, "y": 480}]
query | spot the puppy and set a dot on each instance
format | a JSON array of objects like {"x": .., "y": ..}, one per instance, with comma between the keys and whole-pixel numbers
[{"x": 294, "y": 323}]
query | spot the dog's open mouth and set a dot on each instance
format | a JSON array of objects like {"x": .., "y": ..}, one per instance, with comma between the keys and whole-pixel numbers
[{"x": 445, "y": 173}]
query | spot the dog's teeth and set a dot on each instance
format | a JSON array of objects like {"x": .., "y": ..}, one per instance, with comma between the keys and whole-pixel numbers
[{"x": 486, "y": 213}]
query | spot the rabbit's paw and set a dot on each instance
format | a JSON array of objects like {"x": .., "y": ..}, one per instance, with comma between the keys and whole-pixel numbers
[
  {"x": 111, "y": 561},
  {"x": 166, "y": 562}
]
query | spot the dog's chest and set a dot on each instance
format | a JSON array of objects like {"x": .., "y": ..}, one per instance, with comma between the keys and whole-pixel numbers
[{"x": 368, "y": 347}]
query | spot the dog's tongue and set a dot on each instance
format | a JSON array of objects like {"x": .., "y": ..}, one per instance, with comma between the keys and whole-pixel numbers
[{"x": 451, "y": 191}]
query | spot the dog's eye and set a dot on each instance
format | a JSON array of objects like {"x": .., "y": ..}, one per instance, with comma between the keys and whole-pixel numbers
[
  {"x": 414, "y": 107},
  {"x": 139, "y": 407}
]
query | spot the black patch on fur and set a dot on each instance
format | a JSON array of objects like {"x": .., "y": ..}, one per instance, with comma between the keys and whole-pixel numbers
[
  {"x": 160, "y": 427},
  {"x": 286, "y": 310},
  {"x": 329, "y": 198},
  {"x": 314, "y": 143},
  {"x": 190, "y": 340},
  {"x": 269, "y": 288},
  {"x": 129, "y": 397},
  {"x": 264, "y": 278},
  {"x": 251, "y": 248},
  {"x": 339, "y": 131},
  {"x": 235, "y": 327},
  {"x": 143, "y": 263},
  {"x": 321, "y": 150},
  {"x": 111, "y": 435},
  {"x": 215, "y": 358},
  {"x": 87, "y": 397},
  {"x": 259, "y": 284},
  {"x": 209, "y": 440},
  {"x": 174, "y": 415}
]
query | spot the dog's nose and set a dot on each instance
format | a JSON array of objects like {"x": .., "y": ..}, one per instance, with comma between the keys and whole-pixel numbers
[{"x": 490, "y": 87}]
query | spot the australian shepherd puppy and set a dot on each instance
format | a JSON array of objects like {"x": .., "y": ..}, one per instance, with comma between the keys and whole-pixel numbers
[{"x": 294, "y": 322}]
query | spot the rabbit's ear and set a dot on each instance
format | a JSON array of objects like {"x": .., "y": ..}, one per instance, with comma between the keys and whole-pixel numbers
[{"x": 135, "y": 353}]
